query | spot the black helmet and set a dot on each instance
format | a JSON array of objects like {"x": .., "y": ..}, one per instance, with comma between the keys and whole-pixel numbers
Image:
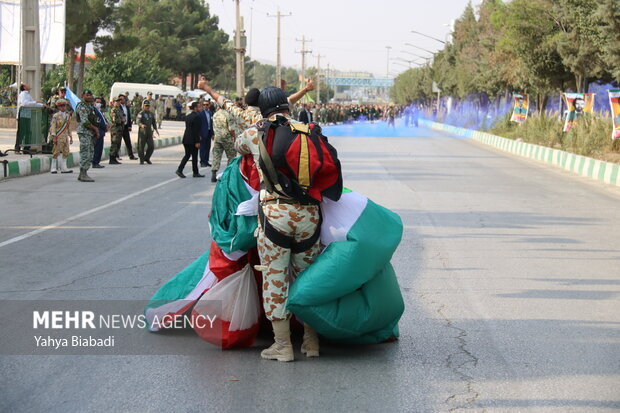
[
  {"x": 251, "y": 98},
  {"x": 272, "y": 99}
]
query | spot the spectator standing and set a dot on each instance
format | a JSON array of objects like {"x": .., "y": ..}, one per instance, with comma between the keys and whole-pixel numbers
[
  {"x": 24, "y": 99},
  {"x": 127, "y": 128},
  {"x": 117, "y": 122},
  {"x": 60, "y": 135},
  {"x": 147, "y": 123},
  {"x": 103, "y": 126},
  {"x": 87, "y": 131},
  {"x": 206, "y": 134},
  {"x": 305, "y": 116},
  {"x": 191, "y": 140}
]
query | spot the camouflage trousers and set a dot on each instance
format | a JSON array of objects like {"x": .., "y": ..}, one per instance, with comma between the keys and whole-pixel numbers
[
  {"x": 300, "y": 222},
  {"x": 61, "y": 146},
  {"x": 219, "y": 146},
  {"x": 116, "y": 137},
  {"x": 87, "y": 149}
]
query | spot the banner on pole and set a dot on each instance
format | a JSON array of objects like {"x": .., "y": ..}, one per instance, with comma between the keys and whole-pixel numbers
[
  {"x": 614, "y": 103},
  {"x": 577, "y": 104},
  {"x": 51, "y": 31},
  {"x": 521, "y": 107}
]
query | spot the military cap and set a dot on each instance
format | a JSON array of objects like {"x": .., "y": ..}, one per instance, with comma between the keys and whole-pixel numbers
[
  {"x": 61, "y": 102},
  {"x": 62, "y": 89},
  {"x": 146, "y": 102},
  {"x": 87, "y": 92}
]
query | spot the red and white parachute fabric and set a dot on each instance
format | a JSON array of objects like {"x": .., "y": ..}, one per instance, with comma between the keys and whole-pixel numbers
[{"x": 222, "y": 281}]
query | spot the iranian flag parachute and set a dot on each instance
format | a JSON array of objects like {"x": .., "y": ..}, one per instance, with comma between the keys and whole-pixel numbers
[{"x": 350, "y": 294}]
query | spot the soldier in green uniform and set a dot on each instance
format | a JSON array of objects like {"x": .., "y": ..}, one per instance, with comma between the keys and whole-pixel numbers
[
  {"x": 136, "y": 104},
  {"x": 223, "y": 141},
  {"x": 159, "y": 113},
  {"x": 116, "y": 130},
  {"x": 87, "y": 131},
  {"x": 146, "y": 120}
]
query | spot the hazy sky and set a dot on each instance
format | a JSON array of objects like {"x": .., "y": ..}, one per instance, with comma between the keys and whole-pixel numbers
[{"x": 349, "y": 35}]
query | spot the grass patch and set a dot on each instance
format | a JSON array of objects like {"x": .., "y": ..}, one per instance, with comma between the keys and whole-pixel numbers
[{"x": 591, "y": 136}]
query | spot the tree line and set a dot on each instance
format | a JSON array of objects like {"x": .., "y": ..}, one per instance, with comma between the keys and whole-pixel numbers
[
  {"x": 540, "y": 47},
  {"x": 152, "y": 41}
]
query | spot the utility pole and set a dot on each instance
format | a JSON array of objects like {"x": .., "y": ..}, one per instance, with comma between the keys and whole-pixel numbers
[
  {"x": 388, "y": 61},
  {"x": 327, "y": 76},
  {"x": 318, "y": 78},
  {"x": 278, "y": 15},
  {"x": 240, "y": 41},
  {"x": 303, "y": 52},
  {"x": 30, "y": 54}
]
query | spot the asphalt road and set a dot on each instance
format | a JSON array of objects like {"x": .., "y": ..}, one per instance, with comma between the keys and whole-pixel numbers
[{"x": 510, "y": 272}]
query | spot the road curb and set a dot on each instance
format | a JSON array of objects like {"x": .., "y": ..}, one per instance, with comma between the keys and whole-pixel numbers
[
  {"x": 32, "y": 166},
  {"x": 596, "y": 169}
]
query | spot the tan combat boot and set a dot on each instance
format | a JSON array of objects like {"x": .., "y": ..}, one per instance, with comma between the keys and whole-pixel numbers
[
  {"x": 282, "y": 349},
  {"x": 310, "y": 345}
]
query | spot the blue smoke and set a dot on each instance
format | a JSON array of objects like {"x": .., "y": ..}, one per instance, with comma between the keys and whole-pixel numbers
[{"x": 368, "y": 129}]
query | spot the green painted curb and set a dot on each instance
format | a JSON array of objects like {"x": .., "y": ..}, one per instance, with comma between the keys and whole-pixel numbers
[
  {"x": 592, "y": 168},
  {"x": 31, "y": 166}
]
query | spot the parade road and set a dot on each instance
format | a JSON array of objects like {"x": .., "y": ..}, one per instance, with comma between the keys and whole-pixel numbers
[{"x": 510, "y": 272}]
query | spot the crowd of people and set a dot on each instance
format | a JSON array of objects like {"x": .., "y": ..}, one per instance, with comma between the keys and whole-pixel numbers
[{"x": 208, "y": 129}]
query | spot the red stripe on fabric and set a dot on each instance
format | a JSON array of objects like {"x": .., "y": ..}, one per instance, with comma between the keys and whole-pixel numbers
[
  {"x": 221, "y": 335},
  {"x": 221, "y": 266}
]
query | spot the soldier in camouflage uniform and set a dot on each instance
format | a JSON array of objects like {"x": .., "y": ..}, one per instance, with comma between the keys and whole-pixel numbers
[
  {"x": 146, "y": 120},
  {"x": 60, "y": 135},
  {"x": 87, "y": 131},
  {"x": 116, "y": 130},
  {"x": 224, "y": 140},
  {"x": 136, "y": 104},
  {"x": 159, "y": 113}
]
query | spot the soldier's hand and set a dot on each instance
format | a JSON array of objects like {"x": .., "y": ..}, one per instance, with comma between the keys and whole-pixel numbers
[{"x": 310, "y": 86}]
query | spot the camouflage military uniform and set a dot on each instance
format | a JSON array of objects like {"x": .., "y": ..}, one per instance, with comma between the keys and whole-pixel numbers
[
  {"x": 295, "y": 220},
  {"x": 147, "y": 123},
  {"x": 244, "y": 118},
  {"x": 224, "y": 141},
  {"x": 158, "y": 104},
  {"x": 60, "y": 133},
  {"x": 85, "y": 113},
  {"x": 116, "y": 131}
]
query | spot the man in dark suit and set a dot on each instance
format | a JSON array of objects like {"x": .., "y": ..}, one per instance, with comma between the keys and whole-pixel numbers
[
  {"x": 305, "y": 116},
  {"x": 103, "y": 128},
  {"x": 191, "y": 140},
  {"x": 206, "y": 133},
  {"x": 127, "y": 127}
]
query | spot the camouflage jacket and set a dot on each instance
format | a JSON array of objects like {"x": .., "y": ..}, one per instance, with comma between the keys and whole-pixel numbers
[
  {"x": 222, "y": 124},
  {"x": 85, "y": 116},
  {"x": 118, "y": 119},
  {"x": 244, "y": 118},
  {"x": 59, "y": 126}
]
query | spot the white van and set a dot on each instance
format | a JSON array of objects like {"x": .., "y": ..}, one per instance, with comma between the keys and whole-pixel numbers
[{"x": 143, "y": 88}]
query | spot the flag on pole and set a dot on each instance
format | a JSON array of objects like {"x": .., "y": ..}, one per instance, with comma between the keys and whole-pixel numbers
[{"x": 73, "y": 99}]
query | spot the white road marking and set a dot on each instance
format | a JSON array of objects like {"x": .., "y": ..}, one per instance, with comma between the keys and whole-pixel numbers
[{"x": 83, "y": 214}]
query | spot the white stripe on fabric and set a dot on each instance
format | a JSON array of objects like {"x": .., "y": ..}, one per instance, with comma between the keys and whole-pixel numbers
[
  {"x": 207, "y": 281},
  {"x": 339, "y": 217}
]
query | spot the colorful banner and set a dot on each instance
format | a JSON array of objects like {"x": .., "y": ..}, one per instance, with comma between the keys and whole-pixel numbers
[
  {"x": 521, "y": 107},
  {"x": 577, "y": 104},
  {"x": 614, "y": 103}
]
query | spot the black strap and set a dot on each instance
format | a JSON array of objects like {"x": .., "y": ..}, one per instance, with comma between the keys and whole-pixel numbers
[{"x": 287, "y": 241}]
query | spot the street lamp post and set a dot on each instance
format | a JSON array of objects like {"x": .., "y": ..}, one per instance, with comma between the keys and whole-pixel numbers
[
  {"x": 430, "y": 37},
  {"x": 387, "y": 71}
]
